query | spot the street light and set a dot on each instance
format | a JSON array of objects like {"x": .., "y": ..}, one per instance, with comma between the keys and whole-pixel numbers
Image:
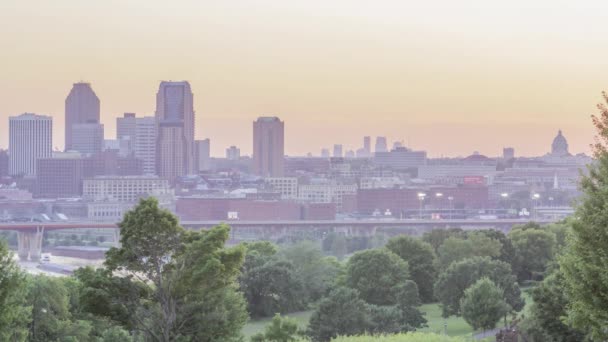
[
  {"x": 439, "y": 195},
  {"x": 451, "y": 199},
  {"x": 421, "y": 196},
  {"x": 504, "y": 195},
  {"x": 535, "y": 198}
]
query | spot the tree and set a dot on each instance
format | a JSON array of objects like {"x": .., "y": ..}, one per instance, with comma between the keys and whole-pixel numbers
[
  {"x": 116, "y": 334},
  {"x": 584, "y": 263},
  {"x": 14, "y": 316},
  {"x": 341, "y": 313},
  {"x": 507, "y": 252},
  {"x": 51, "y": 318},
  {"x": 452, "y": 282},
  {"x": 437, "y": 236},
  {"x": 475, "y": 245},
  {"x": 420, "y": 257},
  {"x": 544, "y": 321},
  {"x": 273, "y": 288},
  {"x": 280, "y": 329},
  {"x": 377, "y": 274},
  {"x": 316, "y": 272},
  {"x": 534, "y": 249},
  {"x": 483, "y": 305},
  {"x": 182, "y": 285}
]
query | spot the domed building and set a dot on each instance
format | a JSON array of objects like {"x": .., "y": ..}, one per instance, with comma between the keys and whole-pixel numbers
[{"x": 559, "y": 147}]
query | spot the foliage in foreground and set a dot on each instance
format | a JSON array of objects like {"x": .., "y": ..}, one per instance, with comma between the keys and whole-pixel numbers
[
  {"x": 584, "y": 263},
  {"x": 409, "y": 337},
  {"x": 483, "y": 305}
]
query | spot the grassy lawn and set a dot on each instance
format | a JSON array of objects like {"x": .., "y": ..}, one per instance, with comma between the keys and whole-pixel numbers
[
  {"x": 255, "y": 326},
  {"x": 456, "y": 325}
]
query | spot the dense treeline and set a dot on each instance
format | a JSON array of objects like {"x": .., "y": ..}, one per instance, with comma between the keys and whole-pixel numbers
[{"x": 168, "y": 284}]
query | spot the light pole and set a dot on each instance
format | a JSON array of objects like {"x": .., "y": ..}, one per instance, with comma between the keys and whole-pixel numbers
[
  {"x": 451, "y": 199},
  {"x": 421, "y": 196},
  {"x": 535, "y": 198},
  {"x": 438, "y": 196},
  {"x": 505, "y": 196}
]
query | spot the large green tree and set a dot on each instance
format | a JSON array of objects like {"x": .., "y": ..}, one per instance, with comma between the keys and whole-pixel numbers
[
  {"x": 181, "y": 285},
  {"x": 378, "y": 275},
  {"x": 14, "y": 316},
  {"x": 534, "y": 250},
  {"x": 341, "y": 313},
  {"x": 585, "y": 261},
  {"x": 437, "y": 236},
  {"x": 316, "y": 272},
  {"x": 280, "y": 329},
  {"x": 420, "y": 257},
  {"x": 452, "y": 282},
  {"x": 51, "y": 318},
  {"x": 455, "y": 249},
  {"x": 545, "y": 318},
  {"x": 273, "y": 287},
  {"x": 483, "y": 304}
]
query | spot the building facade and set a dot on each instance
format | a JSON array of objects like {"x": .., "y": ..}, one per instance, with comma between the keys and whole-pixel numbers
[
  {"x": 175, "y": 130},
  {"x": 81, "y": 107},
  {"x": 268, "y": 147},
  {"x": 30, "y": 138},
  {"x": 87, "y": 138}
]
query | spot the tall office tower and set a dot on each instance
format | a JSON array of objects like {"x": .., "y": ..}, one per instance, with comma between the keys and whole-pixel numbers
[
  {"x": 3, "y": 163},
  {"x": 125, "y": 126},
  {"x": 81, "y": 106},
  {"x": 87, "y": 138},
  {"x": 233, "y": 153},
  {"x": 30, "y": 138},
  {"x": 508, "y": 153},
  {"x": 171, "y": 152},
  {"x": 140, "y": 135},
  {"x": 367, "y": 144},
  {"x": 174, "y": 115},
  {"x": 203, "y": 155},
  {"x": 381, "y": 144},
  {"x": 337, "y": 151},
  {"x": 145, "y": 143},
  {"x": 268, "y": 146},
  {"x": 325, "y": 153}
]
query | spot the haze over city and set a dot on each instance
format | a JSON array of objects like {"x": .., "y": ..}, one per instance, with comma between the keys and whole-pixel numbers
[{"x": 448, "y": 78}]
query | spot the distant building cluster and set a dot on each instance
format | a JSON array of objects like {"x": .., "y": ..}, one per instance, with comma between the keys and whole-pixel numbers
[{"x": 157, "y": 155}]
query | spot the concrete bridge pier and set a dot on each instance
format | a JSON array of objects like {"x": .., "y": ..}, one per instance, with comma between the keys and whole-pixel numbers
[{"x": 29, "y": 244}]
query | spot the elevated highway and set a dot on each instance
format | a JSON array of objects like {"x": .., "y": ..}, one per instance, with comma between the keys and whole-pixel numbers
[{"x": 30, "y": 234}]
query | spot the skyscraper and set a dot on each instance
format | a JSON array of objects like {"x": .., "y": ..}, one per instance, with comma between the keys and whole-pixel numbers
[
  {"x": 87, "y": 138},
  {"x": 233, "y": 153},
  {"x": 203, "y": 155},
  {"x": 268, "y": 146},
  {"x": 81, "y": 107},
  {"x": 175, "y": 129},
  {"x": 337, "y": 151},
  {"x": 30, "y": 138},
  {"x": 140, "y": 134},
  {"x": 367, "y": 144},
  {"x": 381, "y": 144}
]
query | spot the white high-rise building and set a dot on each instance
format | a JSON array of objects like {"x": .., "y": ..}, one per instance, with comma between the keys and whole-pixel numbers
[
  {"x": 144, "y": 145},
  {"x": 140, "y": 134},
  {"x": 30, "y": 138}
]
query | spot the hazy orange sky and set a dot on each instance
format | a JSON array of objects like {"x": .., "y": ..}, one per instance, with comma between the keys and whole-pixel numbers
[{"x": 450, "y": 77}]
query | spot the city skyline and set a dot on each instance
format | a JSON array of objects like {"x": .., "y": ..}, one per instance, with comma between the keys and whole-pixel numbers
[{"x": 499, "y": 74}]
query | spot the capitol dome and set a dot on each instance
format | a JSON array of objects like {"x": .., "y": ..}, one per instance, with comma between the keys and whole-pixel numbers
[{"x": 559, "y": 147}]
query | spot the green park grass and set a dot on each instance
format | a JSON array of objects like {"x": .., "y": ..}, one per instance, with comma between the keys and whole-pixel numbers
[
  {"x": 255, "y": 326},
  {"x": 456, "y": 325}
]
